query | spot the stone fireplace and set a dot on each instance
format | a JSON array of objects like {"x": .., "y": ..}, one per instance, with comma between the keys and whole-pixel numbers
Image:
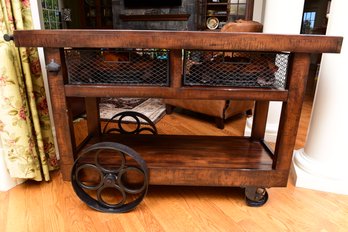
[{"x": 155, "y": 14}]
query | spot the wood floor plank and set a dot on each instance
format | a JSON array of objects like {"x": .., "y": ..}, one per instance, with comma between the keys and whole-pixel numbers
[
  {"x": 54, "y": 206},
  {"x": 4, "y": 202}
]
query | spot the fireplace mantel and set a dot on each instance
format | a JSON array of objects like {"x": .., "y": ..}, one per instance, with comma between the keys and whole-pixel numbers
[
  {"x": 155, "y": 17},
  {"x": 177, "y": 17}
]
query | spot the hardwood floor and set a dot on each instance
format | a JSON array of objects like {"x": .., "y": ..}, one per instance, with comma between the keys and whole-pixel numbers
[{"x": 54, "y": 206}]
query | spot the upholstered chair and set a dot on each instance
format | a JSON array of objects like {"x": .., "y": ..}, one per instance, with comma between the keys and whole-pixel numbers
[{"x": 219, "y": 109}]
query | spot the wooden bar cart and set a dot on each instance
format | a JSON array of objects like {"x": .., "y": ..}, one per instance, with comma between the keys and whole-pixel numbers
[{"x": 174, "y": 64}]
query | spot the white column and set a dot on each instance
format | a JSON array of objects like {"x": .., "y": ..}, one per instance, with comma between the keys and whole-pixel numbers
[
  {"x": 281, "y": 17},
  {"x": 322, "y": 163}
]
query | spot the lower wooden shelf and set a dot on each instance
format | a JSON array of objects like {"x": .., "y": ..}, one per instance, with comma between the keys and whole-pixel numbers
[{"x": 201, "y": 160}]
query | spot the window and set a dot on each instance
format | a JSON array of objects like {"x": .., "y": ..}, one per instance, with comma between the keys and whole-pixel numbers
[
  {"x": 238, "y": 9},
  {"x": 308, "y": 22},
  {"x": 50, "y": 11}
]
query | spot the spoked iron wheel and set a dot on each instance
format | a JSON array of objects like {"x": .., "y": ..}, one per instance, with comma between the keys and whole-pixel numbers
[
  {"x": 110, "y": 177},
  {"x": 255, "y": 196},
  {"x": 149, "y": 127}
]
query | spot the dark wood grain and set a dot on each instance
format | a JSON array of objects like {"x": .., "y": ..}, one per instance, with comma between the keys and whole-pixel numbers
[
  {"x": 177, "y": 40},
  {"x": 199, "y": 160},
  {"x": 291, "y": 111},
  {"x": 176, "y": 65},
  {"x": 61, "y": 115},
  {"x": 182, "y": 93},
  {"x": 196, "y": 151},
  {"x": 260, "y": 119},
  {"x": 92, "y": 112},
  {"x": 188, "y": 160}
]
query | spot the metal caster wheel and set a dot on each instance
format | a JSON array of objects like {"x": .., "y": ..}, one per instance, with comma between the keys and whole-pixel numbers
[
  {"x": 255, "y": 196},
  {"x": 110, "y": 177}
]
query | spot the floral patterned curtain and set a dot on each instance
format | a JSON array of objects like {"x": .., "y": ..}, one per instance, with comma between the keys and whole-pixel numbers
[{"x": 25, "y": 129}]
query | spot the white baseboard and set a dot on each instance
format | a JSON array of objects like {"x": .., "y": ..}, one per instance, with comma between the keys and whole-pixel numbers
[
  {"x": 270, "y": 134},
  {"x": 308, "y": 174},
  {"x": 6, "y": 181}
]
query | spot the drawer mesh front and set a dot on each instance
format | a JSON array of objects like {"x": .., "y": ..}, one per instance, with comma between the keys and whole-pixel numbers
[
  {"x": 148, "y": 67},
  {"x": 235, "y": 69}
]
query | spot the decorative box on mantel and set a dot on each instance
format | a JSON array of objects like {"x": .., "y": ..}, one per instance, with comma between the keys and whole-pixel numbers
[{"x": 155, "y": 15}]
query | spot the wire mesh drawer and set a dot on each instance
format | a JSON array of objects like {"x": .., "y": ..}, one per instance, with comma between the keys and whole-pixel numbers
[
  {"x": 118, "y": 67},
  {"x": 235, "y": 69}
]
